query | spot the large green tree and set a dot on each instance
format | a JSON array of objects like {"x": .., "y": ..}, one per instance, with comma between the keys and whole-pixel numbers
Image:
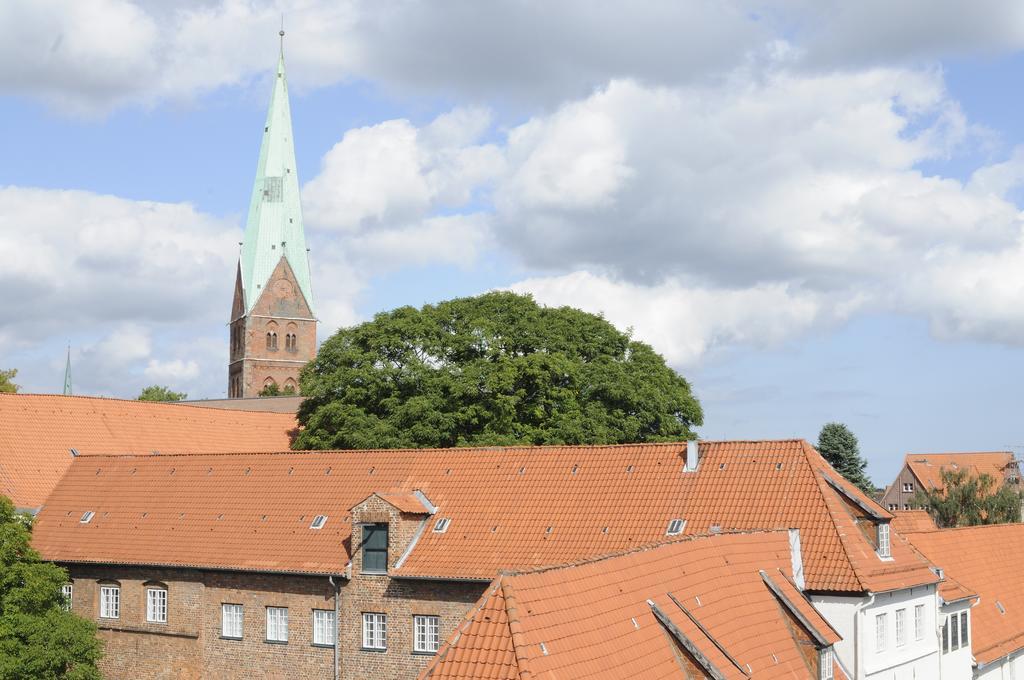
[
  {"x": 39, "y": 638},
  {"x": 496, "y": 369},
  {"x": 7, "y": 381},
  {"x": 839, "y": 446},
  {"x": 160, "y": 393},
  {"x": 966, "y": 500}
]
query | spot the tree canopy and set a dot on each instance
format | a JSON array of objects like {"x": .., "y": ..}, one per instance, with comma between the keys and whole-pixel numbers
[
  {"x": 160, "y": 393},
  {"x": 7, "y": 381},
  {"x": 967, "y": 500},
  {"x": 839, "y": 446},
  {"x": 275, "y": 390},
  {"x": 496, "y": 369},
  {"x": 39, "y": 638}
]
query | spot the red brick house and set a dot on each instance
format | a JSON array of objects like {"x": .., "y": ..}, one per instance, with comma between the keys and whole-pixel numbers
[{"x": 923, "y": 471}]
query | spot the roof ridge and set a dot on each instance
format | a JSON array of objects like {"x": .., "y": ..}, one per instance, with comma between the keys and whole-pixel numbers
[
  {"x": 125, "y": 400},
  {"x": 515, "y": 628}
]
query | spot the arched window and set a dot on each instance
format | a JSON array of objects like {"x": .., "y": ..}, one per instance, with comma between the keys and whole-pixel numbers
[
  {"x": 272, "y": 340},
  {"x": 290, "y": 342}
]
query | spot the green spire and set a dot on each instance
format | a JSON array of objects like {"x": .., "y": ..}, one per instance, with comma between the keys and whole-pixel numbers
[
  {"x": 67, "y": 374},
  {"x": 274, "y": 226}
]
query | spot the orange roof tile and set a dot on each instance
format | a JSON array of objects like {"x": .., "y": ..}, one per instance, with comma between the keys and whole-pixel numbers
[
  {"x": 913, "y": 520},
  {"x": 615, "y": 617},
  {"x": 927, "y": 467},
  {"x": 509, "y": 508},
  {"x": 985, "y": 560},
  {"x": 38, "y": 431}
]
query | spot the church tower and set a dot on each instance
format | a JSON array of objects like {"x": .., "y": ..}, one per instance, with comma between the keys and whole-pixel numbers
[{"x": 273, "y": 330}]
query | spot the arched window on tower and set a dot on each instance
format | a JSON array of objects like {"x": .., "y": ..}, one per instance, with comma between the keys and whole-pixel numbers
[
  {"x": 290, "y": 342},
  {"x": 272, "y": 341}
]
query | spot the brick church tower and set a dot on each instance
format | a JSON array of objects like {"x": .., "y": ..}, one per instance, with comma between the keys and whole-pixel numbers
[{"x": 273, "y": 329}]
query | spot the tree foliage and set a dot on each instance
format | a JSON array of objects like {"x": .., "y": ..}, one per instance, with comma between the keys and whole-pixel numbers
[
  {"x": 7, "y": 381},
  {"x": 496, "y": 369},
  {"x": 38, "y": 637},
  {"x": 967, "y": 500},
  {"x": 160, "y": 393},
  {"x": 839, "y": 446},
  {"x": 275, "y": 390}
]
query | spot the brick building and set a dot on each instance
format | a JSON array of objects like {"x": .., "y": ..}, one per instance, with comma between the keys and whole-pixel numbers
[
  {"x": 923, "y": 471},
  {"x": 412, "y": 538},
  {"x": 272, "y": 326}
]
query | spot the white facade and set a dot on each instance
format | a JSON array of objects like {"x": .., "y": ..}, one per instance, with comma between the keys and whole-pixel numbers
[
  {"x": 887, "y": 636},
  {"x": 957, "y": 660},
  {"x": 1007, "y": 668}
]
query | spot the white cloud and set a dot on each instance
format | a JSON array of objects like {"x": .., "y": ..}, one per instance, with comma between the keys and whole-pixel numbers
[{"x": 175, "y": 371}]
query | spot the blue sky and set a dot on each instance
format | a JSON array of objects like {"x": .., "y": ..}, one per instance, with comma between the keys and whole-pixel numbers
[{"x": 813, "y": 219}]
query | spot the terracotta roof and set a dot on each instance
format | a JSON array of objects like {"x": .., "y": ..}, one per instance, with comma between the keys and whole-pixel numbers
[
  {"x": 927, "y": 467},
  {"x": 38, "y": 431},
  {"x": 729, "y": 596},
  {"x": 985, "y": 560},
  {"x": 509, "y": 508},
  {"x": 913, "y": 520}
]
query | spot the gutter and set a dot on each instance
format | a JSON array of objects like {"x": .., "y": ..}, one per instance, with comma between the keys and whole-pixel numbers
[{"x": 858, "y": 633}]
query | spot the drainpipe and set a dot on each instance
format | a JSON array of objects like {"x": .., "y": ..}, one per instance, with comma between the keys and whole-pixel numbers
[
  {"x": 337, "y": 624},
  {"x": 858, "y": 633}
]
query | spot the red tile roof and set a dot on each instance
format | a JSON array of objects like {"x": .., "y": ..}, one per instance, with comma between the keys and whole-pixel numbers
[
  {"x": 38, "y": 431},
  {"x": 613, "y": 617},
  {"x": 509, "y": 508},
  {"x": 927, "y": 467},
  {"x": 986, "y": 560},
  {"x": 913, "y": 520}
]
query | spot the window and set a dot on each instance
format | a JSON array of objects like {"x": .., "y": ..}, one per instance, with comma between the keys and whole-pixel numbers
[
  {"x": 323, "y": 627},
  {"x": 441, "y": 525},
  {"x": 675, "y": 527},
  {"x": 954, "y": 632},
  {"x": 87, "y": 516},
  {"x": 66, "y": 591},
  {"x": 272, "y": 341},
  {"x": 883, "y": 540},
  {"x": 881, "y": 624},
  {"x": 945, "y": 635},
  {"x": 908, "y": 487},
  {"x": 826, "y": 666},
  {"x": 964, "y": 628},
  {"x": 110, "y": 602},
  {"x": 231, "y": 621},
  {"x": 277, "y": 624},
  {"x": 919, "y": 622},
  {"x": 906, "y": 507},
  {"x": 892, "y": 507},
  {"x": 318, "y": 522},
  {"x": 375, "y": 631},
  {"x": 156, "y": 605},
  {"x": 901, "y": 627},
  {"x": 375, "y": 548},
  {"x": 426, "y": 633}
]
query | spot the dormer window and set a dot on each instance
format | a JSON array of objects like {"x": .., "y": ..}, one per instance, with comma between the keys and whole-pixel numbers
[
  {"x": 826, "y": 665},
  {"x": 884, "y": 550},
  {"x": 675, "y": 527},
  {"x": 375, "y": 548},
  {"x": 318, "y": 522}
]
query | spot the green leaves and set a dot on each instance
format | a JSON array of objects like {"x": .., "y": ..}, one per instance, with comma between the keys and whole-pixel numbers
[
  {"x": 969, "y": 500},
  {"x": 839, "y": 446},
  {"x": 7, "y": 380},
  {"x": 496, "y": 369},
  {"x": 38, "y": 638},
  {"x": 160, "y": 393}
]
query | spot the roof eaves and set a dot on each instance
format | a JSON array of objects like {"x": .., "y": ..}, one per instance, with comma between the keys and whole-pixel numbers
[
  {"x": 795, "y": 611},
  {"x": 873, "y": 512},
  {"x": 210, "y": 567},
  {"x": 686, "y": 642}
]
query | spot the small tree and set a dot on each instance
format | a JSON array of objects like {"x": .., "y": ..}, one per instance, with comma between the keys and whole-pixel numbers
[
  {"x": 969, "y": 500},
  {"x": 838, "y": 445},
  {"x": 7, "y": 381},
  {"x": 39, "y": 638},
  {"x": 160, "y": 393},
  {"x": 270, "y": 390}
]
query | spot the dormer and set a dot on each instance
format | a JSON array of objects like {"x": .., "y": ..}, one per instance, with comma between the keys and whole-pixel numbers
[{"x": 385, "y": 525}]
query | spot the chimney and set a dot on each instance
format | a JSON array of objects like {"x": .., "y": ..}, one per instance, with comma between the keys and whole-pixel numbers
[{"x": 692, "y": 456}]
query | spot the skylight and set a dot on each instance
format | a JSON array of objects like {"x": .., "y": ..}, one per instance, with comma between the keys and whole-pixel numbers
[
  {"x": 87, "y": 516},
  {"x": 441, "y": 525},
  {"x": 318, "y": 522},
  {"x": 675, "y": 527}
]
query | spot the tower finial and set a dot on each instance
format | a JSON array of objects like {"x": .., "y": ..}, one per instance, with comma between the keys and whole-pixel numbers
[{"x": 281, "y": 33}]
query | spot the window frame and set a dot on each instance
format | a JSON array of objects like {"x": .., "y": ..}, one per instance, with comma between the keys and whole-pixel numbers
[
  {"x": 375, "y": 527},
  {"x": 67, "y": 591},
  {"x": 884, "y": 539},
  {"x": 224, "y": 620},
  {"x": 906, "y": 489},
  {"x": 110, "y": 601},
  {"x": 154, "y": 605},
  {"x": 965, "y": 629},
  {"x": 326, "y": 629},
  {"x": 900, "y": 621},
  {"x": 919, "y": 622},
  {"x": 375, "y": 632},
  {"x": 282, "y": 615},
  {"x": 826, "y": 663},
  {"x": 431, "y": 638},
  {"x": 954, "y": 632},
  {"x": 945, "y": 635},
  {"x": 881, "y": 632}
]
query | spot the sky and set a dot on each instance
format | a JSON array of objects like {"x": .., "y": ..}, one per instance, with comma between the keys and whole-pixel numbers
[{"x": 811, "y": 208}]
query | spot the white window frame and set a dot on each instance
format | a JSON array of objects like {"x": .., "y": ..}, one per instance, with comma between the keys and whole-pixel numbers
[
  {"x": 954, "y": 632},
  {"x": 232, "y": 616},
  {"x": 110, "y": 602},
  {"x": 826, "y": 665},
  {"x": 908, "y": 487},
  {"x": 156, "y": 605},
  {"x": 965, "y": 629},
  {"x": 277, "y": 624},
  {"x": 945, "y": 635},
  {"x": 884, "y": 545},
  {"x": 375, "y": 631},
  {"x": 881, "y": 632},
  {"x": 324, "y": 629},
  {"x": 901, "y": 628},
  {"x": 67, "y": 591},
  {"x": 919, "y": 622},
  {"x": 426, "y": 635}
]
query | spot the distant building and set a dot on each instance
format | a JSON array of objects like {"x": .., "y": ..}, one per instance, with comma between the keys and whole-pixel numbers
[
  {"x": 923, "y": 471},
  {"x": 272, "y": 327},
  {"x": 40, "y": 435},
  {"x": 373, "y": 558}
]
